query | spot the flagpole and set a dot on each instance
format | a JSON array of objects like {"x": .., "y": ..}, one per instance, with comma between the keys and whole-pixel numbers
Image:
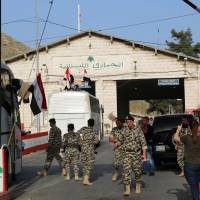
[
  {"x": 37, "y": 54},
  {"x": 79, "y": 18}
]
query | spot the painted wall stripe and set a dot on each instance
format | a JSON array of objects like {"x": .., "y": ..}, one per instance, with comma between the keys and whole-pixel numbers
[
  {"x": 34, "y": 135},
  {"x": 35, "y": 142},
  {"x": 35, "y": 148}
]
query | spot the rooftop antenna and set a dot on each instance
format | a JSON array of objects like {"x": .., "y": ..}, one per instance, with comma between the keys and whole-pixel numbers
[{"x": 79, "y": 18}]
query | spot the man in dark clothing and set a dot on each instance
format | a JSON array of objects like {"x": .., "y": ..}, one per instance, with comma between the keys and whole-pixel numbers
[
  {"x": 147, "y": 130},
  {"x": 148, "y": 133}
]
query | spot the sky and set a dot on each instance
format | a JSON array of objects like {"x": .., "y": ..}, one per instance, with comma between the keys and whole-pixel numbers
[{"x": 104, "y": 15}]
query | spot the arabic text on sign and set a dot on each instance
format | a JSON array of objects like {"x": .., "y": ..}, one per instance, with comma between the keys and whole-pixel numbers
[{"x": 165, "y": 82}]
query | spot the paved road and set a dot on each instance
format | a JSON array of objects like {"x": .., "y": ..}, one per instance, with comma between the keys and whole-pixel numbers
[{"x": 164, "y": 186}]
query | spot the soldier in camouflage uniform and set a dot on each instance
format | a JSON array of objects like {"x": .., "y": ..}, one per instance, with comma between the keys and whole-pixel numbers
[
  {"x": 116, "y": 136},
  {"x": 53, "y": 149},
  {"x": 180, "y": 157},
  {"x": 70, "y": 147},
  {"x": 88, "y": 141},
  {"x": 134, "y": 142},
  {"x": 181, "y": 130}
]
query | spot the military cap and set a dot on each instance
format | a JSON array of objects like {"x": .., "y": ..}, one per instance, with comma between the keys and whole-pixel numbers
[{"x": 129, "y": 117}]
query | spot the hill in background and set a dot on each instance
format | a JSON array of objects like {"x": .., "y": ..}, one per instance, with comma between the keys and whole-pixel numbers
[{"x": 11, "y": 47}]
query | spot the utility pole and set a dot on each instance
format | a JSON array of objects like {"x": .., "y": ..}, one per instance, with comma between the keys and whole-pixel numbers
[
  {"x": 37, "y": 54},
  {"x": 79, "y": 18},
  {"x": 191, "y": 4}
]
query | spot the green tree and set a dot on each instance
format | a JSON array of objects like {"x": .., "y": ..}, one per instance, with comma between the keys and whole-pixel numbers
[{"x": 183, "y": 43}]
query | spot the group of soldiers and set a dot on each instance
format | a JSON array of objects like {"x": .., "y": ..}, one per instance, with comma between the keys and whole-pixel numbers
[
  {"x": 130, "y": 148},
  {"x": 132, "y": 143},
  {"x": 73, "y": 145}
]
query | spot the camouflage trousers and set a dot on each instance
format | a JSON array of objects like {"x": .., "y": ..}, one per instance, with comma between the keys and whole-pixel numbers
[
  {"x": 132, "y": 161},
  {"x": 50, "y": 156},
  {"x": 88, "y": 159},
  {"x": 118, "y": 158},
  {"x": 180, "y": 156},
  {"x": 71, "y": 158}
]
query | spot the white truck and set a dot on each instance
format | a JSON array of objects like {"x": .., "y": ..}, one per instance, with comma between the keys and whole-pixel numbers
[{"x": 75, "y": 107}]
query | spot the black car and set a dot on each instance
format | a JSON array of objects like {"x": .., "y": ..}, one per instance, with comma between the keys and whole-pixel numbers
[{"x": 163, "y": 129}]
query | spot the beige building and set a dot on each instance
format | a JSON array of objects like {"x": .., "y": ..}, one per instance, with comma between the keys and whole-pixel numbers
[{"x": 122, "y": 70}]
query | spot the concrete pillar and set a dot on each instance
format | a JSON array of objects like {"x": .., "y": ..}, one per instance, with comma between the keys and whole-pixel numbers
[
  {"x": 106, "y": 91},
  {"x": 192, "y": 93}
]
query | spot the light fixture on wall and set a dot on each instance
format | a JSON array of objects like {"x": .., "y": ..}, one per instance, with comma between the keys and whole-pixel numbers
[
  {"x": 46, "y": 69},
  {"x": 185, "y": 65},
  {"x": 135, "y": 66}
]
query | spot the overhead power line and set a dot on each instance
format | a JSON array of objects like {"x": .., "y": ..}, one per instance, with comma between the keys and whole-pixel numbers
[
  {"x": 148, "y": 22},
  {"x": 51, "y": 4},
  {"x": 61, "y": 25},
  {"x": 17, "y": 21},
  {"x": 191, "y": 4},
  {"x": 41, "y": 20},
  {"x": 46, "y": 38},
  {"x": 109, "y": 28}
]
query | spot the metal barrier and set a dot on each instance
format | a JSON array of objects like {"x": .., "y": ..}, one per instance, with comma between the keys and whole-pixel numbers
[
  {"x": 3, "y": 170},
  {"x": 31, "y": 143},
  {"x": 34, "y": 142}
]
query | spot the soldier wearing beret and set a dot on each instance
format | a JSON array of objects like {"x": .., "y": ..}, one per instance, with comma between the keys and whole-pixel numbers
[{"x": 134, "y": 143}]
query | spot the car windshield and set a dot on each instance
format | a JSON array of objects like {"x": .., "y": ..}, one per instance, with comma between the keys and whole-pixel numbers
[{"x": 164, "y": 123}]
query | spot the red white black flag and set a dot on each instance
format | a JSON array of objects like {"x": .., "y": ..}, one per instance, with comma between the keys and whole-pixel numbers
[
  {"x": 38, "y": 102},
  {"x": 67, "y": 77}
]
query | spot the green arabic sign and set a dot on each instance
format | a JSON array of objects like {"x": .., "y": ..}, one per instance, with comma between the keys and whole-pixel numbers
[
  {"x": 1, "y": 170},
  {"x": 91, "y": 63}
]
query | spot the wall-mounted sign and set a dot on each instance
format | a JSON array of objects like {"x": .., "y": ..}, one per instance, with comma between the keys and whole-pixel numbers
[
  {"x": 168, "y": 82},
  {"x": 90, "y": 62},
  {"x": 91, "y": 65}
]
